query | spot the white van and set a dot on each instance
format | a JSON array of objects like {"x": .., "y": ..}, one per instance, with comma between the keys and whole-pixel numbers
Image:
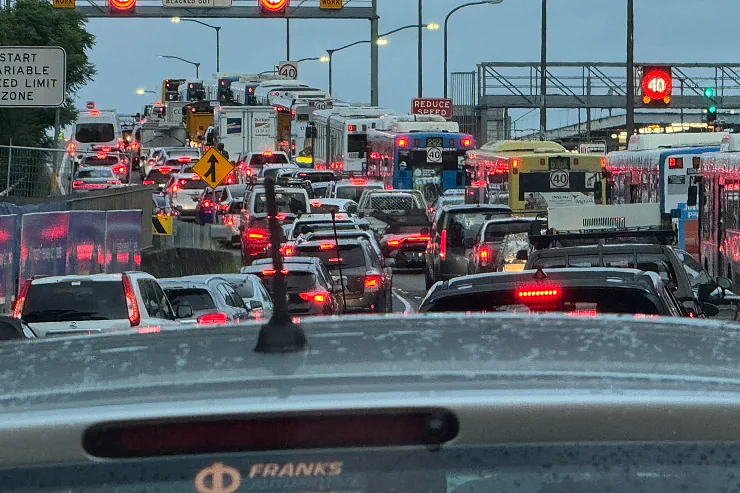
[{"x": 95, "y": 128}]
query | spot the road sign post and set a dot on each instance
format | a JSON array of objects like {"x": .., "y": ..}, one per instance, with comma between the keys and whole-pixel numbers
[
  {"x": 213, "y": 168},
  {"x": 288, "y": 70},
  {"x": 34, "y": 76}
]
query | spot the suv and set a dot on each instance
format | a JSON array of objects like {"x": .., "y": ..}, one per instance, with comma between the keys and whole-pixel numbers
[
  {"x": 255, "y": 237},
  {"x": 184, "y": 190},
  {"x": 488, "y": 241},
  {"x": 452, "y": 236},
  {"x": 94, "y": 303},
  {"x": 352, "y": 188},
  {"x": 357, "y": 269},
  {"x": 211, "y": 299}
]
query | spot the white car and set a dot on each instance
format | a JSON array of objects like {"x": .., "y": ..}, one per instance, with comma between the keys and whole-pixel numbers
[
  {"x": 95, "y": 303},
  {"x": 184, "y": 190}
]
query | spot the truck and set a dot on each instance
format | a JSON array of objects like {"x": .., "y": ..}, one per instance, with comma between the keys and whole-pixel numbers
[
  {"x": 197, "y": 116},
  {"x": 157, "y": 134},
  {"x": 175, "y": 111},
  {"x": 243, "y": 129}
]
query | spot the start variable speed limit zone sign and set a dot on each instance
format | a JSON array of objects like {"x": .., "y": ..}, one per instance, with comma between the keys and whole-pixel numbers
[{"x": 559, "y": 179}]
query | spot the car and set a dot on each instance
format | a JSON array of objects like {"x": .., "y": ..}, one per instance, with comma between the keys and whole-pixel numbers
[
  {"x": 251, "y": 163},
  {"x": 275, "y": 170},
  {"x": 94, "y": 303},
  {"x": 215, "y": 204},
  {"x": 488, "y": 241},
  {"x": 110, "y": 158},
  {"x": 589, "y": 291},
  {"x": 255, "y": 238},
  {"x": 352, "y": 188},
  {"x": 94, "y": 178},
  {"x": 211, "y": 299},
  {"x": 309, "y": 285},
  {"x": 453, "y": 196},
  {"x": 356, "y": 269},
  {"x": 174, "y": 153},
  {"x": 330, "y": 234},
  {"x": 184, "y": 190},
  {"x": 451, "y": 239},
  {"x": 253, "y": 293},
  {"x": 513, "y": 253},
  {"x": 160, "y": 175},
  {"x": 326, "y": 206},
  {"x": 309, "y": 223}
]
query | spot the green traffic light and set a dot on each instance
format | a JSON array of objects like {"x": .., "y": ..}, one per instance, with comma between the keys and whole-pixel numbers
[
  {"x": 712, "y": 109},
  {"x": 709, "y": 92}
]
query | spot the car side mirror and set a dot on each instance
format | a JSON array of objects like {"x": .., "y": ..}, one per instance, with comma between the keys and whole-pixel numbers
[
  {"x": 390, "y": 262},
  {"x": 724, "y": 283},
  {"x": 184, "y": 311},
  {"x": 352, "y": 209},
  {"x": 360, "y": 214},
  {"x": 253, "y": 304},
  {"x": 709, "y": 309},
  {"x": 522, "y": 255},
  {"x": 693, "y": 198},
  {"x": 468, "y": 242},
  {"x": 704, "y": 291}
]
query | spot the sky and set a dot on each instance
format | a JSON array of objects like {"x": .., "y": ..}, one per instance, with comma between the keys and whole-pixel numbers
[{"x": 666, "y": 31}]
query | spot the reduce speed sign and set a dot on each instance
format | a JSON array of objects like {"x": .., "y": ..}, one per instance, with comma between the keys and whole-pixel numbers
[{"x": 559, "y": 179}]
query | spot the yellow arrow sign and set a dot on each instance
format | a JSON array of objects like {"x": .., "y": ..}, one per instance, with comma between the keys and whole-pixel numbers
[
  {"x": 213, "y": 168},
  {"x": 162, "y": 225}
]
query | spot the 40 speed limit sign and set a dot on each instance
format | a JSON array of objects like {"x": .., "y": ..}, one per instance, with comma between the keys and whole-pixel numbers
[{"x": 559, "y": 179}]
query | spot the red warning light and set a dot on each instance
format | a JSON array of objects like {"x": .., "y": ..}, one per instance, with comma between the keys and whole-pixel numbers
[
  {"x": 274, "y": 6},
  {"x": 122, "y": 6},
  {"x": 657, "y": 85}
]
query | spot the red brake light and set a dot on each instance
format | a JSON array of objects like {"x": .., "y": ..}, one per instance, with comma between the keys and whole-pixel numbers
[
  {"x": 207, "y": 203},
  {"x": 112, "y": 182},
  {"x": 358, "y": 181},
  {"x": 165, "y": 169},
  {"x": 212, "y": 318},
  {"x": 256, "y": 236},
  {"x": 337, "y": 165},
  {"x": 119, "y": 169},
  {"x": 148, "y": 182},
  {"x": 326, "y": 246},
  {"x": 485, "y": 255},
  {"x": 134, "y": 316},
  {"x": 106, "y": 148},
  {"x": 393, "y": 243},
  {"x": 184, "y": 159},
  {"x": 675, "y": 162},
  {"x": 101, "y": 155},
  {"x": 538, "y": 293},
  {"x": 335, "y": 260},
  {"x": 281, "y": 216},
  {"x": 443, "y": 245},
  {"x": 514, "y": 163},
  {"x": 94, "y": 112},
  {"x": 77, "y": 183},
  {"x": 267, "y": 153},
  {"x": 351, "y": 128},
  {"x": 315, "y": 203},
  {"x": 174, "y": 188},
  {"x": 315, "y": 296},
  {"x": 18, "y": 306},
  {"x": 467, "y": 142},
  {"x": 402, "y": 142},
  {"x": 183, "y": 181},
  {"x": 373, "y": 282},
  {"x": 271, "y": 272},
  {"x": 287, "y": 250}
]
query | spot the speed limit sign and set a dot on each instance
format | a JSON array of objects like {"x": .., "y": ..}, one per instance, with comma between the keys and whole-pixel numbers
[
  {"x": 434, "y": 155},
  {"x": 288, "y": 70},
  {"x": 559, "y": 179}
]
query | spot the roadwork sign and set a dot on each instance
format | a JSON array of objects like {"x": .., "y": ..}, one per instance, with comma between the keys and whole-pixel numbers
[
  {"x": 162, "y": 225},
  {"x": 213, "y": 168},
  {"x": 64, "y": 4},
  {"x": 32, "y": 76}
]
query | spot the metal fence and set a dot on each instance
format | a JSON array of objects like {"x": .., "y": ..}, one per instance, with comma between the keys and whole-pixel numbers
[{"x": 29, "y": 171}]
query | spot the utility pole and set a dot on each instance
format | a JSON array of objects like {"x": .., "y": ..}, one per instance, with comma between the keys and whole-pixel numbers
[
  {"x": 630, "y": 68},
  {"x": 218, "y": 49},
  {"x": 287, "y": 39},
  {"x": 420, "y": 80},
  {"x": 374, "y": 56},
  {"x": 543, "y": 73}
]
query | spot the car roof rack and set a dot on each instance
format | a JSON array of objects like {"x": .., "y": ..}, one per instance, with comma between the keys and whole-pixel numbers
[{"x": 661, "y": 235}]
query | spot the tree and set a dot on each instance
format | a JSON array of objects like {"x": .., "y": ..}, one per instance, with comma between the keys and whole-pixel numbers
[{"x": 37, "y": 23}]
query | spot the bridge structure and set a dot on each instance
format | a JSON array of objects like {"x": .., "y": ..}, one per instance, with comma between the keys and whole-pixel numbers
[{"x": 484, "y": 98}]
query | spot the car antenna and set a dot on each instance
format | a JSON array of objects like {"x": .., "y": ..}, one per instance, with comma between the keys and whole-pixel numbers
[
  {"x": 540, "y": 274},
  {"x": 336, "y": 242},
  {"x": 280, "y": 334}
]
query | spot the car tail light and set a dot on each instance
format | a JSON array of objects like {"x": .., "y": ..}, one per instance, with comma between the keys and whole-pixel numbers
[
  {"x": 484, "y": 255},
  {"x": 351, "y": 128},
  {"x": 280, "y": 216},
  {"x": 148, "y": 182},
  {"x": 165, "y": 169},
  {"x": 119, "y": 169},
  {"x": 21, "y": 300},
  {"x": 326, "y": 246},
  {"x": 134, "y": 316},
  {"x": 113, "y": 182},
  {"x": 373, "y": 282},
  {"x": 184, "y": 159},
  {"x": 467, "y": 142},
  {"x": 319, "y": 166},
  {"x": 337, "y": 165},
  {"x": 267, "y": 153},
  {"x": 224, "y": 207},
  {"x": 257, "y": 234},
  {"x": 248, "y": 171},
  {"x": 272, "y": 272},
  {"x": 315, "y": 203},
  {"x": 539, "y": 293},
  {"x": 402, "y": 142},
  {"x": 315, "y": 296},
  {"x": 207, "y": 203},
  {"x": 287, "y": 250},
  {"x": 675, "y": 163},
  {"x": 212, "y": 318},
  {"x": 418, "y": 239},
  {"x": 358, "y": 181},
  {"x": 443, "y": 245},
  {"x": 77, "y": 184},
  {"x": 101, "y": 155},
  {"x": 393, "y": 243}
]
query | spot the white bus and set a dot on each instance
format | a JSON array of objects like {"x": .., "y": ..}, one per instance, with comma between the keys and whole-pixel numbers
[
  {"x": 191, "y": 90},
  {"x": 341, "y": 142},
  {"x": 660, "y": 168}
]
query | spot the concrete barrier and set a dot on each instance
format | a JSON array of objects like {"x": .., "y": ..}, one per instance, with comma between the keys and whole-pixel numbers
[{"x": 178, "y": 262}]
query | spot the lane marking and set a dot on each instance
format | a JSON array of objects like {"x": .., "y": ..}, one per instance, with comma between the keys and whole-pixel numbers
[{"x": 406, "y": 304}]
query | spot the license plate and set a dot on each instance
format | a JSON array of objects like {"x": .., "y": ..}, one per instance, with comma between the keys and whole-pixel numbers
[{"x": 559, "y": 163}]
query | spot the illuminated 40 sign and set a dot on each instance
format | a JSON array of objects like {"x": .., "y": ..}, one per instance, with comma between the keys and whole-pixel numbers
[{"x": 657, "y": 85}]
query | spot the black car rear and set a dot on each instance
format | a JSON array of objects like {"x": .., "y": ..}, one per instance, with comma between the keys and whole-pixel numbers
[{"x": 308, "y": 292}]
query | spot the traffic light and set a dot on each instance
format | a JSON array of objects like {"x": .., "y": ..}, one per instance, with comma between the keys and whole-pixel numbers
[
  {"x": 656, "y": 85},
  {"x": 274, "y": 7},
  {"x": 709, "y": 93},
  {"x": 122, "y": 7}
]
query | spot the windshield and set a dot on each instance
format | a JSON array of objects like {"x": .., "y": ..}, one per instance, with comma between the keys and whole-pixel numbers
[
  {"x": 354, "y": 192},
  {"x": 495, "y": 232},
  {"x": 646, "y": 262},
  {"x": 191, "y": 184},
  {"x": 461, "y": 225},
  {"x": 198, "y": 298},
  {"x": 350, "y": 256},
  {"x": 261, "y": 160},
  {"x": 75, "y": 301},
  {"x": 295, "y": 281},
  {"x": 287, "y": 202},
  {"x": 108, "y": 160},
  {"x": 87, "y": 133},
  {"x": 95, "y": 173}
]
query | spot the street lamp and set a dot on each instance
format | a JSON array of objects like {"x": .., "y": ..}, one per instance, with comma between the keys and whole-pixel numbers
[
  {"x": 218, "y": 37},
  {"x": 447, "y": 19},
  {"x": 195, "y": 64},
  {"x": 141, "y": 91},
  {"x": 381, "y": 41}
]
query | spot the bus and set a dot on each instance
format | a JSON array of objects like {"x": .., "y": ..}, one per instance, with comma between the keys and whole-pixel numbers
[
  {"x": 301, "y": 145},
  {"x": 170, "y": 89},
  {"x": 422, "y": 152},
  {"x": 191, "y": 90},
  {"x": 535, "y": 175},
  {"x": 341, "y": 142},
  {"x": 718, "y": 196},
  {"x": 660, "y": 169},
  {"x": 198, "y": 117}
]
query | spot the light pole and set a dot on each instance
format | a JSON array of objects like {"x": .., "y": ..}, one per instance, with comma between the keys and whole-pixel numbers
[
  {"x": 141, "y": 91},
  {"x": 630, "y": 69},
  {"x": 543, "y": 73},
  {"x": 447, "y": 19},
  {"x": 381, "y": 41},
  {"x": 218, "y": 37},
  {"x": 195, "y": 64}
]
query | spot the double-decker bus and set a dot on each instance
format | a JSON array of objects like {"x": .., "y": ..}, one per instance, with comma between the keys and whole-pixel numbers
[
  {"x": 170, "y": 89},
  {"x": 342, "y": 136},
  {"x": 659, "y": 169},
  {"x": 423, "y": 152},
  {"x": 718, "y": 196},
  {"x": 191, "y": 90},
  {"x": 533, "y": 175}
]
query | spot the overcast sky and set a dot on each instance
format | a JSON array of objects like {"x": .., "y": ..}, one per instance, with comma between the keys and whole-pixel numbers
[{"x": 579, "y": 30}]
